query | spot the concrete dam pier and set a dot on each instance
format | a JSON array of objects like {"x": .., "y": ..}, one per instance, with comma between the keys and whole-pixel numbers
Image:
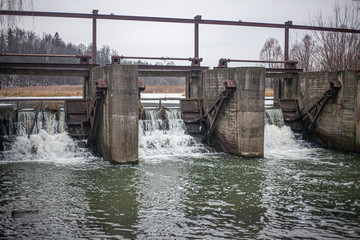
[{"x": 114, "y": 130}]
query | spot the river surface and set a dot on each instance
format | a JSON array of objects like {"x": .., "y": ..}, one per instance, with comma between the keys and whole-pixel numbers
[{"x": 181, "y": 189}]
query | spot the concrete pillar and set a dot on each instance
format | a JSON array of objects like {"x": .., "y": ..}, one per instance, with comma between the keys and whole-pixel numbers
[
  {"x": 118, "y": 124},
  {"x": 240, "y": 127}
]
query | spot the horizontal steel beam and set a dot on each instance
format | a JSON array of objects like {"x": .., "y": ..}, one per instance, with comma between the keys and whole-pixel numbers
[
  {"x": 42, "y": 55},
  {"x": 174, "y": 20},
  {"x": 167, "y": 68},
  {"x": 36, "y": 99},
  {"x": 45, "y": 72},
  {"x": 45, "y": 65},
  {"x": 159, "y": 58},
  {"x": 257, "y": 61}
]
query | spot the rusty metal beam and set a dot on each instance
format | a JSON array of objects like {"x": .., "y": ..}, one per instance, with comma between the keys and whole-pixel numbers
[
  {"x": 95, "y": 14},
  {"x": 196, "y": 33},
  {"x": 174, "y": 20},
  {"x": 42, "y": 55},
  {"x": 36, "y": 99},
  {"x": 286, "y": 44},
  {"x": 45, "y": 65},
  {"x": 45, "y": 72},
  {"x": 159, "y": 58},
  {"x": 256, "y": 61},
  {"x": 166, "y": 68}
]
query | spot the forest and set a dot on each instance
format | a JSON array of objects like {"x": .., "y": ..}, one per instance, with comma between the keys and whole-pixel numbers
[{"x": 15, "y": 40}]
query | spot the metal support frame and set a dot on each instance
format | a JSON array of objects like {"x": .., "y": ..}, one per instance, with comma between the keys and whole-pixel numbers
[
  {"x": 116, "y": 59},
  {"x": 223, "y": 62},
  {"x": 101, "y": 89},
  {"x": 212, "y": 115},
  {"x": 286, "y": 48},
  {"x": 312, "y": 114},
  {"x": 95, "y": 14},
  {"x": 196, "y": 21}
]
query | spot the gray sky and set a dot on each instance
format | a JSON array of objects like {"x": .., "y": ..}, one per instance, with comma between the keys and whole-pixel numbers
[{"x": 173, "y": 39}]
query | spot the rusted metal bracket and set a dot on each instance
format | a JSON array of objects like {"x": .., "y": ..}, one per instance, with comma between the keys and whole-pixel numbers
[
  {"x": 198, "y": 123},
  {"x": 213, "y": 114},
  {"x": 142, "y": 86},
  {"x": 101, "y": 89},
  {"x": 312, "y": 114}
]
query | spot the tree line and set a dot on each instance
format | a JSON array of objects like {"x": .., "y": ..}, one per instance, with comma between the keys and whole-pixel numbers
[
  {"x": 320, "y": 50},
  {"x": 15, "y": 40},
  {"x": 20, "y": 41}
]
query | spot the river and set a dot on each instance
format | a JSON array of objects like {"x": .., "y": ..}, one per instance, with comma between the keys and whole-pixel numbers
[{"x": 181, "y": 189}]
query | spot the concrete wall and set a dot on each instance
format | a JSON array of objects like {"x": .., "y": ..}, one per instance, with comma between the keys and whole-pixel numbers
[
  {"x": 338, "y": 126},
  {"x": 240, "y": 128},
  {"x": 117, "y": 139}
]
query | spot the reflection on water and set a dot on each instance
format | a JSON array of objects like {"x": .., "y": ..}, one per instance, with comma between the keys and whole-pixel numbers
[{"x": 181, "y": 191}]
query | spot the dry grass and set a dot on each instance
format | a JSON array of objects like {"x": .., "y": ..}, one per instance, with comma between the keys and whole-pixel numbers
[
  {"x": 43, "y": 91},
  {"x": 165, "y": 89},
  {"x": 76, "y": 90}
]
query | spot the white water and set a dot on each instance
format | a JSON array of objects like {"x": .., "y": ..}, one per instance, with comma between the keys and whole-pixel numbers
[
  {"x": 47, "y": 120},
  {"x": 280, "y": 142},
  {"x": 155, "y": 142},
  {"x": 48, "y": 142}
]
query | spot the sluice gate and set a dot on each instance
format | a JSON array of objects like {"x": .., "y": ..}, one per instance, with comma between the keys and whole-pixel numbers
[{"x": 230, "y": 117}]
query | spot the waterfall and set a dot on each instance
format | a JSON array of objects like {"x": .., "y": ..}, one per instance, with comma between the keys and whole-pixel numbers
[
  {"x": 48, "y": 141},
  {"x": 156, "y": 140},
  {"x": 281, "y": 142},
  {"x": 274, "y": 116},
  {"x": 50, "y": 121}
]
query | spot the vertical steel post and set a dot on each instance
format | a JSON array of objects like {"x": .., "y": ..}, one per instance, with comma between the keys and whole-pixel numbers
[
  {"x": 196, "y": 45},
  {"x": 95, "y": 13},
  {"x": 286, "y": 53}
]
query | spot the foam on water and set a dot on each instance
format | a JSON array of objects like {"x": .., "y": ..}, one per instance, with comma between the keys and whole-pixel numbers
[
  {"x": 49, "y": 141},
  {"x": 59, "y": 148},
  {"x": 156, "y": 142},
  {"x": 281, "y": 143}
]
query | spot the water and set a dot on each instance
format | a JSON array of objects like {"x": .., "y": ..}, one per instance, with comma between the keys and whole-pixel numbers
[{"x": 180, "y": 190}]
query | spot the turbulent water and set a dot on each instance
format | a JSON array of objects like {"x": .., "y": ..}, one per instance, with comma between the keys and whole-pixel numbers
[{"x": 181, "y": 189}]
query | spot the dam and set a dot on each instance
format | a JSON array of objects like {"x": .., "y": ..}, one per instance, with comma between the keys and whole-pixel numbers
[
  {"x": 50, "y": 182},
  {"x": 216, "y": 164}
]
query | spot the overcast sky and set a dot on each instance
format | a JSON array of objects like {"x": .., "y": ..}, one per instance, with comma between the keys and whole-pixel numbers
[{"x": 173, "y": 39}]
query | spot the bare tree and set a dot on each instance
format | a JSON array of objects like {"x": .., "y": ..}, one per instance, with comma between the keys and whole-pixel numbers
[
  {"x": 338, "y": 51},
  {"x": 11, "y": 21},
  {"x": 271, "y": 51},
  {"x": 304, "y": 53}
]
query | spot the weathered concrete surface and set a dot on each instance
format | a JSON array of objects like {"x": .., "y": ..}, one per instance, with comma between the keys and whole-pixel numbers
[
  {"x": 118, "y": 127},
  {"x": 240, "y": 127},
  {"x": 194, "y": 85},
  {"x": 338, "y": 124}
]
